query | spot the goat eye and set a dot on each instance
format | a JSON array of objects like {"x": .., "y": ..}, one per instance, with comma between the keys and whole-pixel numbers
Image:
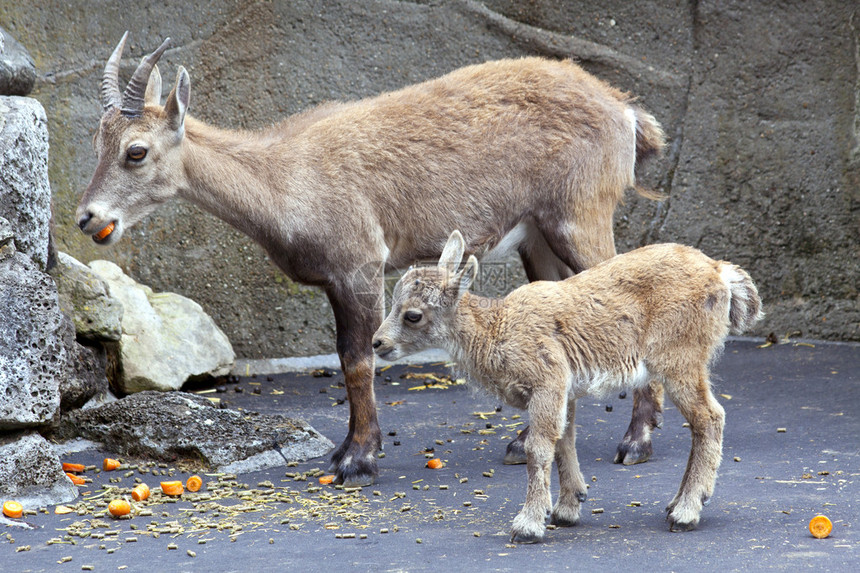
[
  {"x": 136, "y": 153},
  {"x": 412, "y": 316}
]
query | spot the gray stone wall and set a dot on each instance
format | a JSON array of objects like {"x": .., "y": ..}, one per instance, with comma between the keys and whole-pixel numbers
[{"x": 760, "y": 100}]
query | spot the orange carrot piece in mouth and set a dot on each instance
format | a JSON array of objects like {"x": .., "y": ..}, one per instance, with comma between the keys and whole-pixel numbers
[{"x": 105, "y": 232}]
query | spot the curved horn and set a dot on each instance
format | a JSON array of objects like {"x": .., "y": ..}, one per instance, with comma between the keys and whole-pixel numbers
[
  {"x": 111, "y": 96},
  {"x": 135, "y": 93}
]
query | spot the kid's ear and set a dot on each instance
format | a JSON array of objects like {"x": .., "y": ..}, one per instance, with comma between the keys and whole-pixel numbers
[
  {"x": 452, "y": 254},
  {"x": 177, "y": 101},
  {"x": 466, "y": 276}
]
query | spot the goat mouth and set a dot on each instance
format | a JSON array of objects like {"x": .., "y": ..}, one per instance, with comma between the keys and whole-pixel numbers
[
  {"x": 384, "y": 353},
  {"x": 102, "y": 236}
]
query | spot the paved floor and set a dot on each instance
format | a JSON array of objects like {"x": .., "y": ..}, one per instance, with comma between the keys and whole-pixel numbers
[{"x": 791, "y": 451}]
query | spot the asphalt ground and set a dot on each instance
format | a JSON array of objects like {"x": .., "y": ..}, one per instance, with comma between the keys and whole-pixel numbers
[{"x": 791, "y": 451}]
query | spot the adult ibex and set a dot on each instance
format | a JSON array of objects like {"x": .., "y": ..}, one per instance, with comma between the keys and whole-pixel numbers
[
  {"x": 534, "y": 151},
  {"x": 661, "y": 311}
]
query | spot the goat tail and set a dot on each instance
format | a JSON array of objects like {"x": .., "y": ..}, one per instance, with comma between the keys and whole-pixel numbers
[
  {"x": 650, "y": 141},
  {"x": 745, "y": 308}
]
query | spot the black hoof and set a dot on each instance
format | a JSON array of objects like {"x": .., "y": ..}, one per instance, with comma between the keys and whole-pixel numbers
[
  {"x": 515, "y": 453},
  {"x": 581, "y": 497},
  {"x": 353, "y": 465},
  {"x": 676, "y": 527},
  {"x": 630, "y": 453}
]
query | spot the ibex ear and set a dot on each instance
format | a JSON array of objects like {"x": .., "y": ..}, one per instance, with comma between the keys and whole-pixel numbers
[
  {"x": 177, "y": 101},
  {"x": 452, "y": 254},
  {"x": 466, "y": 276},
  {"x": 153, "y": 88}
]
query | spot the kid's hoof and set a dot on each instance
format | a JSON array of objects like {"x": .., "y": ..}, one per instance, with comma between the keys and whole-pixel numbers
[
  {"x": 563, "y": 521},
  {"x": 354, "y": 466},
  {"x": 676, "y": 527},
  {"x": 525, "y": 538}
]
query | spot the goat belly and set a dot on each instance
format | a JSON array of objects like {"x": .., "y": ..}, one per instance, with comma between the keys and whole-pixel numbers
[{"x": 601, "y": 383}]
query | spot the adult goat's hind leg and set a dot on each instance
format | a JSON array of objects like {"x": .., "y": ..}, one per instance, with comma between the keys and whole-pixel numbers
[{"x": 357, "y": 317}]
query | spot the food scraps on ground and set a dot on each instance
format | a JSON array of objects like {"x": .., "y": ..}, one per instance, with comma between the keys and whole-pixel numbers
[
  {"x": 110, "y": 464},
  {"x": 435, "y": 464},
  {"x": 74, "y": 468},
  {"x": 325, "y": 480},
  {"x": 172, "y": 487},
  {"x": 820, "y": 526},
  {"x": 194, "y": 483},
  {"x": 140, "y": 492},
  {"x": 119, "y": 507},
  {"x": 76, "y": 479},
  {"x": 13, "y": 509}
]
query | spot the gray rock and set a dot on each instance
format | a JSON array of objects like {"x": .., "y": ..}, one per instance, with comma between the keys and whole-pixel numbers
[
  {"x": 87, "y": 377},
  {"x": 25, "y": 193},
  {"x": 175, "y": 426},
  {"x": 166, "y": 340},
  {"x": 17, "y": 70},
  {"x": 31, "y": 472},
  {"x": 7, "y": 239},
  {"x": 33, "y": 355},
  {"x": 85, "y": 298}
]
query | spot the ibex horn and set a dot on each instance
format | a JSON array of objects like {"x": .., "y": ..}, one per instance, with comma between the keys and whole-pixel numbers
[
  {"x": 133, "y": 96},
  {"x": 111, "y": 96}
]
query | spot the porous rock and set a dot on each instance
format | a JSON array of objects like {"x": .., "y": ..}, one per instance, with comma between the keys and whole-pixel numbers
[
  {"x": 17, "y": 71},
  {"x": 184, "y": 428},
  {"x": 25, "y": 192},
  {"x": 33, "y": 356},
  {"x": 166, "y": 339},
  {"x": 31, "y": 472}
]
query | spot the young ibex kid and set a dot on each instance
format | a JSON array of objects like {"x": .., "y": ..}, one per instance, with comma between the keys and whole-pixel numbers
[{"x": 660, "y": 311}]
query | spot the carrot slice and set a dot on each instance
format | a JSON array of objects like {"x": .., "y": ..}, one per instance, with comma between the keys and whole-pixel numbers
[
  {"x": 140, "y": 492},
  {"x": 105, "y": 232},
  {"x": 820, "y": 526},
  {"x": 172, "y": 487},
  {"x": 194, "y": 483},
  {"x": 13, "y": 509},
  {"x": 75, "y": 479},
  {"x": 110, "y": 464},
  {"x": 119, "y": 507},
  {"x": 76, "y": 468},
  {"x": 435, "y": 464},
  {"x": 325, "y": 480}
]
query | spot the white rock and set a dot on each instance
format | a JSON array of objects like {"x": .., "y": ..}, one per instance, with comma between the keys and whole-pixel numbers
[{"x": 166, "y": 338}]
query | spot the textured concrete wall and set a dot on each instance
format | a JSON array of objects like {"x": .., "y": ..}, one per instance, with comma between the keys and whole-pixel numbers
[{"x": 761, "y": 102}]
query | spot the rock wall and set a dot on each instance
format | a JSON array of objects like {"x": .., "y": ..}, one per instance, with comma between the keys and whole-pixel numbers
[{"x": 760, "y": 100}]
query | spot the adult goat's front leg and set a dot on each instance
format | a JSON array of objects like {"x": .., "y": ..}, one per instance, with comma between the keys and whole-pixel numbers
[{"x": 354, "y": 461}]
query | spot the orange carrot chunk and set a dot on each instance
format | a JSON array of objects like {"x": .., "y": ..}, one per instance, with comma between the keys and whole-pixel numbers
[
  {"x": 13, "y": 509},
  {"x": 140, "y": 492},
  {"x": 110, "y": 464},
  {"x": 194, "y": 483},
  {"x": 75, "y": 479},
  {"x": 820, "y": 526},
  {"x": 435, "y": 464},
  {"x": 105, "y": 232},
  {"x": 119, "y": 507},
  {"x": 76, "y": 468},
  {"x": 325, "y": 480},
  {"x": 172, "y": 487}
]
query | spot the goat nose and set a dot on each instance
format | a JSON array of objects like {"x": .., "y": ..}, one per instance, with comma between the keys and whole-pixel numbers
[
  {"x": 85, "y": 218},
  {"x": 377, "y": 343}
]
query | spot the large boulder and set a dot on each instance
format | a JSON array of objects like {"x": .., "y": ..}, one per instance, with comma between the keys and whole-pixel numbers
[
  {"x": 84, "y": 297},
  {"x": 166, "y": 339},
  {"x": 17, "y": 71},
  {"x": 33, "y": 355},
  {"x": 180, "y": 427},
  {"x": 25, "y": 199},
  {"x": 31, "y": 472}
]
